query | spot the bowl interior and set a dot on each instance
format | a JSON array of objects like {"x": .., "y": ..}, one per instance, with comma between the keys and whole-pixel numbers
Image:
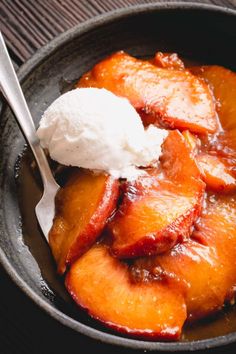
[{"x": 198, "y": 35}]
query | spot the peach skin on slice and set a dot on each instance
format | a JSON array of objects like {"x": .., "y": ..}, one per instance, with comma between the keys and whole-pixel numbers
[
  {"x": 215, "y": 173},
  {"x": 206, "y": 263},
  {"x": 156, "y": 211},
  {"x": 101, "y": 285},
  {"x": 175, "y": 98},
  {"x": 82, "y": 209},
  {"x": 168, "y": 61}
]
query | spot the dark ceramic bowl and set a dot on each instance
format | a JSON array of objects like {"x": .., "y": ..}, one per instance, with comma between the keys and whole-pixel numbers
[{"x": 199, "y": 33}]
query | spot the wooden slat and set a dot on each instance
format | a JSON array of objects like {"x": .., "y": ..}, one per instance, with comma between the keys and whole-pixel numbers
[{"x": 29, "y": 24}]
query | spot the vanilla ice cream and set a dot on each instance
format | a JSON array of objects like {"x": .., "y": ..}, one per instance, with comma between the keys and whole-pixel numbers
[{"x": 93, "y": 128}]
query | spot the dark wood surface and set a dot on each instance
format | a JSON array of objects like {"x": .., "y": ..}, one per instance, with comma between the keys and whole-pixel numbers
[{"x": 27, "y": 25}]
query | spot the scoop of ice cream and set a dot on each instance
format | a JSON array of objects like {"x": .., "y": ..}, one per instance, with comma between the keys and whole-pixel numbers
[{"x": 93, "y": 128}]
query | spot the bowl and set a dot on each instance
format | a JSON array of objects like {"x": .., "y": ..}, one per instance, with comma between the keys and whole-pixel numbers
[{"x": 198, "y": 33}]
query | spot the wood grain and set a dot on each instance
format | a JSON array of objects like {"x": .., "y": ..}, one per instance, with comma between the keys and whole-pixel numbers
[{"x": 29, "y": 24}]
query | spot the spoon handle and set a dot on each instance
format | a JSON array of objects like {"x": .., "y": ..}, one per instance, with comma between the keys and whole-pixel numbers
[{"x": 11, "y": 89}]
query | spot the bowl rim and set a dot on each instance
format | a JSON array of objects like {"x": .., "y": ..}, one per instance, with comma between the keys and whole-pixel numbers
[{"x": 44, "y": 53}]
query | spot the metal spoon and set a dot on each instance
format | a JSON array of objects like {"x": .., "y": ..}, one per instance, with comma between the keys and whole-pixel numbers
[{"x": 10, "y": 87}]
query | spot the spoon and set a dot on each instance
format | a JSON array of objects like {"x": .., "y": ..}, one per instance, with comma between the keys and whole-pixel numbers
[{"x": 10, "y": 87}]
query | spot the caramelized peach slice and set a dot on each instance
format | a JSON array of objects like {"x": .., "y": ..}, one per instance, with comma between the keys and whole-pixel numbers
[
  {"x": 177, "y": 159},
  {"x": 207, "y": 268},
  {"x": 223, "y": 83},
  {"x": 82, "y": 209},
  {"x": 152, "y": 222},
  {"x": 157, "y": 213},
  {"x": 215, "y": 173},
  {"x": 101, "y": 284},
  {"x": 176, "y": 98}
]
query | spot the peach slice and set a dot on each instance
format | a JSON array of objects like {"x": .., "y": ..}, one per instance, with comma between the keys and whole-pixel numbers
[
  {"x": 177, "y": 159},
  {"x": 82, "y": 209},
  {"x": 223, "y": 83},
  {"x": 206, "y": 263},
  {"x": 152, "y": 222},
  {"x": 215, "y": 173},
  {"x": 219, "y": 171},
  {"x": 101, "y": 284},
  {"x": 156, "y": 213},
  {"x": 176, "y": 98}
]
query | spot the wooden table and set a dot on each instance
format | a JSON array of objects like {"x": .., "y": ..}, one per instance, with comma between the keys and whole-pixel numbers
[{"x": 27, "y": 25}]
